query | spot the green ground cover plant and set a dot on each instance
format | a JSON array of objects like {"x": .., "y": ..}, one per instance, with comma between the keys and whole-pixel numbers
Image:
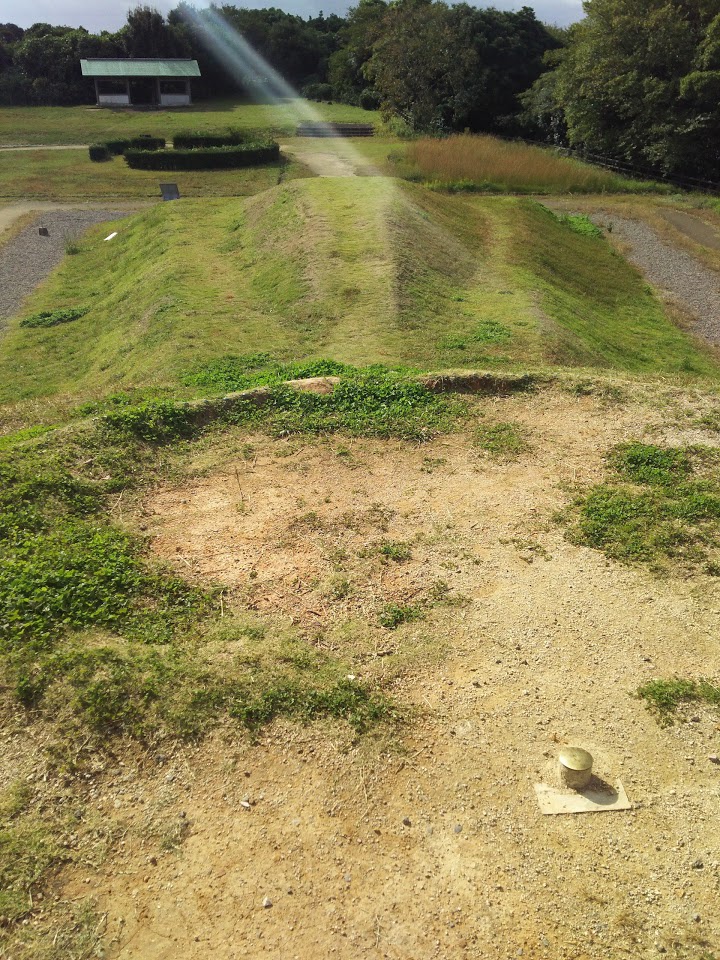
[
  {"x": 370, "y": 402},
  {"x": 393, "y": 615},
  {"x": 665, "y": 697},
  {"x": 581, "y": 224},
  {"x": 53, "y": 318},
  {"x": 94, "y": 631},
  {"x": 505, "y": 440},
  {"x": 232, "y": 372},
  {"x": 660, "y": 505}
]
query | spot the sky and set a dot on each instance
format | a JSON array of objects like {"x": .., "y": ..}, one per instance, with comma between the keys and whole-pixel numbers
[{"x": 98, "y": 15}]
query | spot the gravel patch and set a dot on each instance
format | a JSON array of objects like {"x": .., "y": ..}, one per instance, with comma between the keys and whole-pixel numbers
[
  {"x": 689, "y": 283},
  {"x": 27, "y": 259}
]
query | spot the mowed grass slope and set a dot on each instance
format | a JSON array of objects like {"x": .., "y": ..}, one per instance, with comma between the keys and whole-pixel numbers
[{"x": 360, "y": 270}]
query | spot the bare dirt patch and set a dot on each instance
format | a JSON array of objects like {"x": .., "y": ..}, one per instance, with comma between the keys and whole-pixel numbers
[
  {"x": 693, "y": 227},
  {"x": 431, "y": 846}
]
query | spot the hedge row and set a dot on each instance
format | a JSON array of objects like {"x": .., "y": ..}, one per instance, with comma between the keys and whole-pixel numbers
[
  {"x": 99, "y": 152},
  {"x": 209, "y": 158},
  {"x": 187, "y": 140},
  {"x": 114, "y": 148}
]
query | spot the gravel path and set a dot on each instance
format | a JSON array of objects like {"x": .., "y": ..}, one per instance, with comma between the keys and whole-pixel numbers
[
  {"x": 27, "y": 259},
  {"x": 692, "y": 285}
]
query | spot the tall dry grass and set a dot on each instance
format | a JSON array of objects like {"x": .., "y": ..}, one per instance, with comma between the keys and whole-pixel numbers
[{"x": 466, "y": 161}]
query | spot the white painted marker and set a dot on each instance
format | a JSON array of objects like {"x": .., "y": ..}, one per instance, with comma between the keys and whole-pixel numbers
[{"x": 111, "y": 236}]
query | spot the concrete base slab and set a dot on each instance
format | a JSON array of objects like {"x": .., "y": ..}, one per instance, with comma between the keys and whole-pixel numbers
[{"x": 596, "y": 798}]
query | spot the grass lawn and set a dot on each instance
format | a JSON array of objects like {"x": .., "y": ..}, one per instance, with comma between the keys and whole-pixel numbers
[
  {"x": 21, "y": 126},
  {"x": 360, "y": 270},
  {"x": 71, "y": 175}
]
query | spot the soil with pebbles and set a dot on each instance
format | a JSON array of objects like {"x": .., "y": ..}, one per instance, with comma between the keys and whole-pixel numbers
[
  {"x": 694, "y": 287},
  {"x": 27, "y": 259},
  {"x": 434, "y": 848}
]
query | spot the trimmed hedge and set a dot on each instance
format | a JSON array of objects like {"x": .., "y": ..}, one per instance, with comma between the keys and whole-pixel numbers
[
  {"x": 146, "y": 142},
  {"x": 113, "y": 148},
  {"x": 99, "y": 152},
  {"x": 209, "y": 158},
  {"x": 187, "y": 140},
  {"x": 116, "y": 147}
]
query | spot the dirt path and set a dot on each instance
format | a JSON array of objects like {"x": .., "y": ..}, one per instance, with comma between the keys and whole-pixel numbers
[
  {"x": 25, "y": 260},
  {"x": 695, "y": 229},
  {"x": 432, "y": 847},
  {"x": 60, "y": 146},
  {"x": 323, "y": 164}
]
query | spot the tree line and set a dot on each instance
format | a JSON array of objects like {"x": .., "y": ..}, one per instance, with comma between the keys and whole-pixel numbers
[
  {"x": 634, "y": 80},
  {"x": 438, "y": 68}
]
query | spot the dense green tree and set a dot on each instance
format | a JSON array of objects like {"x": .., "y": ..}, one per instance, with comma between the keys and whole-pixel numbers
[
  {"x": 49, "y": 60},
  {"x": 10, "y": 33},
  {"x": 411, "y": 62},
  {"x": 639, "y": 81},
  {"x": 148, "y": 34},
  {"x": 362, "y": 30},
  {"x": 450, "y": 68}
]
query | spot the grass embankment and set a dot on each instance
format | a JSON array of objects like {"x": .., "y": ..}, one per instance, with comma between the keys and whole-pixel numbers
[
  {"x": 30, "y": 126},
  {"x": 360, "y": 270},
  {"x": 485, "y": 163}
]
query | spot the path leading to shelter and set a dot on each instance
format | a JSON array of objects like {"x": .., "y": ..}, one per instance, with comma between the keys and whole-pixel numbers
[{"x": 327, "y": 163}]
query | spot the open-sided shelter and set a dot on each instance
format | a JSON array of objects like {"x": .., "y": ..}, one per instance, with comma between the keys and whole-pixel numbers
[{"x": 122, "y": 83}]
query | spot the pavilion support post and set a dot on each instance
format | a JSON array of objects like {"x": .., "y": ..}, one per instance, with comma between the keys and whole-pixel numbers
[
  {"x": 97, "y": 93},
  {"x": 188, "y": 91},
  {"x": 127, "y": 87},
  {"x": 158, "y": 91}
]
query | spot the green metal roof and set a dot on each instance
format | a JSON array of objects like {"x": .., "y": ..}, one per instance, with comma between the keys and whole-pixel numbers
[{"x": 140, "y": 68}]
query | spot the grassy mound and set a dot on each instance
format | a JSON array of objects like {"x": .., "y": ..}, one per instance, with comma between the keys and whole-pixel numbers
[{"x": 360, "y": 270}]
